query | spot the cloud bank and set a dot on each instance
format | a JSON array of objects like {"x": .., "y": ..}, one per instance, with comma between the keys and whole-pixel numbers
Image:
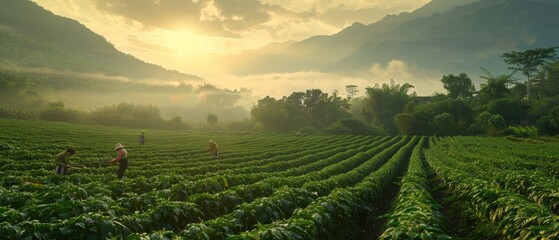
[
  {"x": 237, "y": 18},
  {"x": 277, "y": 85}
]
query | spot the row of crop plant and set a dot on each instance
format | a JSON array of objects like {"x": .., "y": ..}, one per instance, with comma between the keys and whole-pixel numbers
[
  {"x": 137, "y": 185},
  {"x": 34, "y": 173},
  {"x": 513, "y": 215},
  {"x": 266, "y": 210},
  {"x": 331, "y": 214},
  {"x": 161, "y": 214},
  {"x": 130, "y": 185},
  {"x": 504, "y": 154},
  {"x": 29, "y": 159},
  {"x": 80, "y": 206},
  {"x": 416, "y": 213},
  {"x": 517, "y": 175}
]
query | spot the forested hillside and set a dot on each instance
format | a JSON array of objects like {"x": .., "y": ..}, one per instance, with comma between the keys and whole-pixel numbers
[
  {"x": 32, "y": 37},
  {"x": 443, "y": 36}
]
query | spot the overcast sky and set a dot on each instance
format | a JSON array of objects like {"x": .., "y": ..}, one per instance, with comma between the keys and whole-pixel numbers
[{"x": 186, "y": 35}]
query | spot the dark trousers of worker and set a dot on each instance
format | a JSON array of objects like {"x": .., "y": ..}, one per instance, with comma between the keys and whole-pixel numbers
[
  {"x": 214, "y": 153},
  {"x": 61, "y": 170},
  {"x": 123, "y": 165}
]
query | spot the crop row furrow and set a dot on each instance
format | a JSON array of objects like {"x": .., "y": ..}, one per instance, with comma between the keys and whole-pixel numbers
[
  {"x": 211, "y": 206},
  {"x": 416, "y": 213},
  {"x": 328, "y": 215},
  {"x": 534, "y": 185},
  {"x": 139, "y": 202},
  {"x": 514, "y": 216},
  {"x": 247, "y": 216}
]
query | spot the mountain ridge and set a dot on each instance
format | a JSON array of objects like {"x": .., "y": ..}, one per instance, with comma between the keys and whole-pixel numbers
[
  {"x": 449, "y": 36},
  {"x": 36, "y": 38}
]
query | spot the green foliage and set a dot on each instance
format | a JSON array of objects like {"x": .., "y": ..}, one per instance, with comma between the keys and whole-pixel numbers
[
  {"x": 421, "y": 119},
  {"x": 22, "y": 45},
  {"x": 512, "y": 110},
  {"x": 241, "y": 125},
  {"x": 521, "y": 131},
  {"x": 547, "y": 80},
  {"x": 310, "y": 130},
  {"x": 416, "y": 214},
  {"x": 311, "y": 108},
  {"x": 495, "y": 88},
  {"x": 57, "y": 112},
  {"x": 492, "y": 124},
  {"x": 18, "y": 91},
  {"x": 528, "y": 62},
  {"x": 175, "y": 123},
  {"x": 211, "y": 119},
  {"x": 549, "y": 123},
  {"x": 504, "y": 183},
  {"x": 405, "y": 123},
  {"x": 323, "y": 109},
  {"x": 273, "y": 115},
  {"x": 483, "y": 120},
  {"x": 6, "y": 112},
  {"x": 127, "y": 115},
  {"x": 458, "y": 86},
  {"x": 264, "y": 185},
  {"x": 444, "y": 124},
  {"x": 384, "y": 102},
  {"x": 496, "y": 124},
  {"x": 352, "y": 126}
]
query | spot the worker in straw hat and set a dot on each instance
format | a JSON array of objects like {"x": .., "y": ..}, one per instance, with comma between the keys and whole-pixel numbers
[
  {"x": 214, "y": 152},
  {"x": 122, "y": 159},
  {"x": 62, "y": 163}
]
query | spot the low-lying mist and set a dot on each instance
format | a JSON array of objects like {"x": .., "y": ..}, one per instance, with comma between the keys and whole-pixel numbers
[
  {"x": 283, "y": 84},
  {"x": 228, "y": 97}
]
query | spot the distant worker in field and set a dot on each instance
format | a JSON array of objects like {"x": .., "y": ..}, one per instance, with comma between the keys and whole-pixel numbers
[
  {"x": 142, "y": 137},
  {"x": 62, "y": 163},
  {"x": 214, "y": 148},
  {"x": 122, "y": 159}
]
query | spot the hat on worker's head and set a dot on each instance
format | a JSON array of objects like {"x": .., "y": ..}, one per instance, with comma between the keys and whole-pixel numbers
[{"x": 118, "y": 146}]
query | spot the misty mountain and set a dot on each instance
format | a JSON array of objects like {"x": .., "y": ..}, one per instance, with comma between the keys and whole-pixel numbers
[
  {"x": 447, "y": 36},
  {"x": 32, "y": 37}
]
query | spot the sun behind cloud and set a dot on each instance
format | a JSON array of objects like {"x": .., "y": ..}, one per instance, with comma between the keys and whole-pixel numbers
[{"x": 190, "y": 36}]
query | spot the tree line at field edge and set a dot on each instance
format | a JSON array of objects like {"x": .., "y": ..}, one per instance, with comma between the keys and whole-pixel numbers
[{"x": 502, "y": 106}]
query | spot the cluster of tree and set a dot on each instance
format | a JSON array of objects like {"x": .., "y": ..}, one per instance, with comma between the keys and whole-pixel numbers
[
  {"x": 123, "y": 115},
  {"x": 20, "y": 95},
  {"x": 17, "y": 113},
  {"x": 310, "y": 109},
  {"x": 383, "y": 102},
  {"x": 499, "y": 103},
  {"x": 36, "y": 91}
]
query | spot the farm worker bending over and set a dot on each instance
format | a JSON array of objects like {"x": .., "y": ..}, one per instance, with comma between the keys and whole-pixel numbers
[
  {"x": 62, "y": 163},
  {"x": 122, "y": 159},
  {"x": 213, "y": 148}
]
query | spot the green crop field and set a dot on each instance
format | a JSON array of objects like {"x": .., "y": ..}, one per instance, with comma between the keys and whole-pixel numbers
[{"x": 274, "y": 186}]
